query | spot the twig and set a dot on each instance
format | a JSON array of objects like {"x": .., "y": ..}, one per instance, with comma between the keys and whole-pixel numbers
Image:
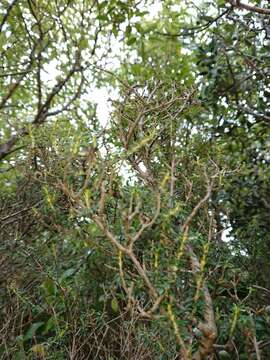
[{"x": 252, "y": 8}]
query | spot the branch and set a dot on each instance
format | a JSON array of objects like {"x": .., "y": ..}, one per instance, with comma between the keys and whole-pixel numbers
[
  {"x": 7, "y": 14},
  {"x": 197, "y": 207},
  {"x": 42, "y": 114},
  {"x": 14, "y": 86},
  {"x": 252, "y": 8},
  {"x": 67, "y": 105},
  {"x": 208, "y": 327},
  {"x": 7, "y": 148},
  {"x": 196, "y": 29},
  {"x": 104, "y": 227},
  {"x": 254, "y": 113},
  {"x": 43, "y": 111},
  {"x": 147, "y": 224},
  {"x": 21, "y": 211}
]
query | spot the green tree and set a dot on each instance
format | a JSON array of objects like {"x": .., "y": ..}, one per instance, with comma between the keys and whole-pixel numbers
[{"x": 113, "y": 237}]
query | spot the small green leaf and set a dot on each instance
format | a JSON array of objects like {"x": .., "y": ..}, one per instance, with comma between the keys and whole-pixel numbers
[
  {"x": 103, "y": 17},
  {"x": 136, "y": 69},
  {"x": 102, "y": 5},
  {"x": 131, "y": 40},
  {"x": 139, "y": 28},
  {"x": 223, "y": 354},
  {"x": 128, "y": 31},
  {"x": 49, "y": 286},
  {"x": 32, "y": 330},
  {"x": 114, "y": 305},
  {"x": 20, "y": 355},
  {"x": 68, "y": 273},
  {"x": 50, "y": 324},
  {"x": 83, "y": 44}
]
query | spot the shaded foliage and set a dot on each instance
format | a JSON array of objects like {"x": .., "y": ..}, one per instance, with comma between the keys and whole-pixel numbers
[{"x": 147, "y": 238}]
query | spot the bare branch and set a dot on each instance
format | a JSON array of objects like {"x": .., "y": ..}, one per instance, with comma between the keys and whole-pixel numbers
[
  {"x": 197, "y": 207},
  {"x": 252, "y": 8},
  {"x": 147, "y": 224},
  {"x": 104, "y": 227},
  {"x": 208, "y": 327}
]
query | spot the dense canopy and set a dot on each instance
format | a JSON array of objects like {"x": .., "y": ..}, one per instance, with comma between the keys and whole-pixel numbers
[{"x": 134, "y": 179}]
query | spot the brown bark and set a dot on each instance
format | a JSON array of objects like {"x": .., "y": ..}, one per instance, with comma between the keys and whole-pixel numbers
[{"x": 255, "y": 9}]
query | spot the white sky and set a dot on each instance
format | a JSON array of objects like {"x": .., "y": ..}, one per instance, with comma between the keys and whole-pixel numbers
[{"x": 102, "y": 95}]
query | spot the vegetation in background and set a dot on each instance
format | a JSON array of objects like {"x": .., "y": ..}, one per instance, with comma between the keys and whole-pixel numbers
[{"x": 147, "y": 238}]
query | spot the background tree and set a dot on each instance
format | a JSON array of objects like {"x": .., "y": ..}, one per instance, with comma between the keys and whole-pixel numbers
[{"x": 113, "y": 237}]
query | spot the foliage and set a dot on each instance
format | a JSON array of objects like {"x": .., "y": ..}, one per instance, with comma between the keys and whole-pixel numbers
[{"x": 147, "y": 238}]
